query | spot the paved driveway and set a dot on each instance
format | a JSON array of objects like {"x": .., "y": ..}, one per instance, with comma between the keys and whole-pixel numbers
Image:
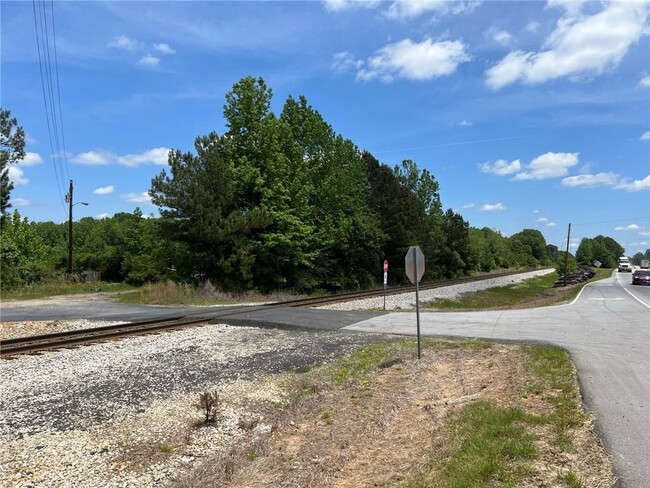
[{"x": 606, "y": 331}]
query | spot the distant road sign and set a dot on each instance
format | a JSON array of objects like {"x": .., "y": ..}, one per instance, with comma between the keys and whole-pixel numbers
[
  {"x": 385, "y": 265},
  {"x": 413, "y": 261},
  {"x": 598, "y": 264}
]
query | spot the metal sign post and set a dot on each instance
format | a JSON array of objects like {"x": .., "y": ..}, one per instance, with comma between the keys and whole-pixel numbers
[
  {"x": 414, "y": 264},
  {"x": 385, "y": 281}
]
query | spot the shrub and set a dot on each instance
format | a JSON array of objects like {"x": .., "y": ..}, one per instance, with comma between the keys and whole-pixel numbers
[{"x": 209, "y": 403}]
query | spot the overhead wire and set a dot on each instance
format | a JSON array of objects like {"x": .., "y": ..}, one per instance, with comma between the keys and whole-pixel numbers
[
  {"x": 58, "y": 92},
  {"x": 45, "y": 69},
  {"x": 50, "y": 83}
]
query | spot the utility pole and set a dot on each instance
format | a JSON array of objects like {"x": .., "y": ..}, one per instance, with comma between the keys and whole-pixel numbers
[
  {"x": 566, "y": 256},
  {"x": 68, "y": 198}
]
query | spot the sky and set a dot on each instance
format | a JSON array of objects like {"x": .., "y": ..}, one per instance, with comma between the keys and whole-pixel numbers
[{"x": 528, "y": 114}]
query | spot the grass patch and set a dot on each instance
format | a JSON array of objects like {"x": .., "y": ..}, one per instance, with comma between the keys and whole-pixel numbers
[
  {"x": 44, "y": 290},
  {"x": 491, "y": 447},
  {"x": 535, "y": 292},
  {"x": 172, "y": 293},
  {"x": 555, "y": 377}
]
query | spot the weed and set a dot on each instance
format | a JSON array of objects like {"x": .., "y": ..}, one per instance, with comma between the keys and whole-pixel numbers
[
  {"x": 571, "y": 480},
  {"x": 327, "y": 417},
  {"x": 166, "y": 448},
  {"x": 251, "y": 455},
  {"x": 209, "y": 403}
]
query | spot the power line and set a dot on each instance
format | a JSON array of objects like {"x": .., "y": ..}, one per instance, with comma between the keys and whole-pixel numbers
[
  {"x": 45, "y": 69},
  {"x": 58, "y": 92},
  {"x": 613, "y": 221}
]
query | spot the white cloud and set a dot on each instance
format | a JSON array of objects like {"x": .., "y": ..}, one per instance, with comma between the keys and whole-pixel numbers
[
  {"x": 31, "y": 159},
  {"x": 414, "y": 61},
  {"x": 541, "y": 219},
  {"x": 409, "y": 9},
  {"x": 342, "y": 5},
  {"x": 551, "y": 224},
  {"x": 102, "y": 216},
  {"x": 549, "y": 165},
  {"x": 149, "y": 61},
  {"x": 589, "y": 180},
  {"x": 535, "y": 211},
  {"x": 644, "y": 233},
  {"x": 16, "y": 175},
  {"x": 469, "y": 205},
  {"x": 104, "y": 190},
  {"x": 636, "y": 185},
  {"x": 644, "y": 82},
  {"x": 640, "y": 243},
  {"x": 30, "y": 140},
  {"x": 645, "y": 136},
  {"x": 123, "y": 42},
  {"x": 627, "y": 227},
  {"x": 93, "y": 158},
  {"x": 500, "y": 36},
  {"x": 580, "y": 45},
  {"x": 532, "y": 26},
  {"x": 20, "y": 202},
  {"x": 137, "y": 197},
  {"x": 501, "y": 167},
  {"x": 164, "y": 48},
  {"x": 157, "y": 155},
  {"x": 488, "y": 207},
  {"x": 344, "y": 61}
]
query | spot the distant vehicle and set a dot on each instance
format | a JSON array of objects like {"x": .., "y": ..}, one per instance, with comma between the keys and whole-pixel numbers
[
  {"x": 624, "y": 265},
  {"x": 641, "y": 277},
  {"x": 645, "y": 263}
]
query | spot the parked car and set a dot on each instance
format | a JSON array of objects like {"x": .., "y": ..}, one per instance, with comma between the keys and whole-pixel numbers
[{"x": 641, "y": 277}]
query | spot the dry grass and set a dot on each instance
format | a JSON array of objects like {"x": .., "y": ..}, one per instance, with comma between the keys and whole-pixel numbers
[
  {"x": 396, "y": 425},
  {"x": 173, "y": 293}
]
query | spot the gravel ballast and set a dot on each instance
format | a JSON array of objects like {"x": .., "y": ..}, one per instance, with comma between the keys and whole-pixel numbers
[
  {"x": 406, "y": 301},
  {"x": 84, "y": 417}
]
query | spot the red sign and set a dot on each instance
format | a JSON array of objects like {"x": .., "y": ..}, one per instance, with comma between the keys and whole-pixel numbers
[{"x": 385, "y": 265}]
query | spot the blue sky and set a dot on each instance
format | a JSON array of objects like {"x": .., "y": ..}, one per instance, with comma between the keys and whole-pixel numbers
[{"x": 529, "y": 114}]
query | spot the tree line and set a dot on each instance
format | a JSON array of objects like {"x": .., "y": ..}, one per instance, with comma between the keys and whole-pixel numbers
[{"x": 275, "y": 202}]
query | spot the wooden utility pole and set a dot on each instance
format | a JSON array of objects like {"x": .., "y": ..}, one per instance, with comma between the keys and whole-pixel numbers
[
  {"x": 68, "y": 199},
  {"x": 566, "y": 256}
]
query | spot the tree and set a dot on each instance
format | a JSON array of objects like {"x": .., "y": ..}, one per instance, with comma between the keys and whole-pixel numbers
[
  {"x": 22, "y": 253},
  {"x": 12, "y": 150}
]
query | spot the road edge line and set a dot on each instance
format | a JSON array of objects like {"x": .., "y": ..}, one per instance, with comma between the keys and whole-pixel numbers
[{"x": 632, "y": 294}]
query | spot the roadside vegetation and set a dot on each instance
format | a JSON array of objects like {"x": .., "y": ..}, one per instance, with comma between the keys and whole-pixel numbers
[
  {"x": 278, "y": 202},
  {"x": 535, "y": 292},
  {"x": 57, "y": 288},
  {"x": 468, "y": 414}
]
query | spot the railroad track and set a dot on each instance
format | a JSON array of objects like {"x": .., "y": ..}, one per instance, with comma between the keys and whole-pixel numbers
[
  {"x": 61, "y": 340},
  {"x": 346, "y": 297}
]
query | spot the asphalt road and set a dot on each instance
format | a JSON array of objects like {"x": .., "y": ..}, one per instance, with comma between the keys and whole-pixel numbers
[{"x": 607, "y": 333}]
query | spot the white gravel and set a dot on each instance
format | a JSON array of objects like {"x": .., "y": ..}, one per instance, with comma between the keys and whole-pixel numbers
[
  {"x": 406, "y": 301},
  {"x": 122, "y": 413}
]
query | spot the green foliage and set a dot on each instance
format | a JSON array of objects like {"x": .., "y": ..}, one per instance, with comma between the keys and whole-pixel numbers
[
  {"x": 528, "y": 248},
  {"x": 600, "y": 248},
  {"x": 12, "y": 150},
  {"x": 641, "y": 256},
  {"x": 22, "y": 253}
]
